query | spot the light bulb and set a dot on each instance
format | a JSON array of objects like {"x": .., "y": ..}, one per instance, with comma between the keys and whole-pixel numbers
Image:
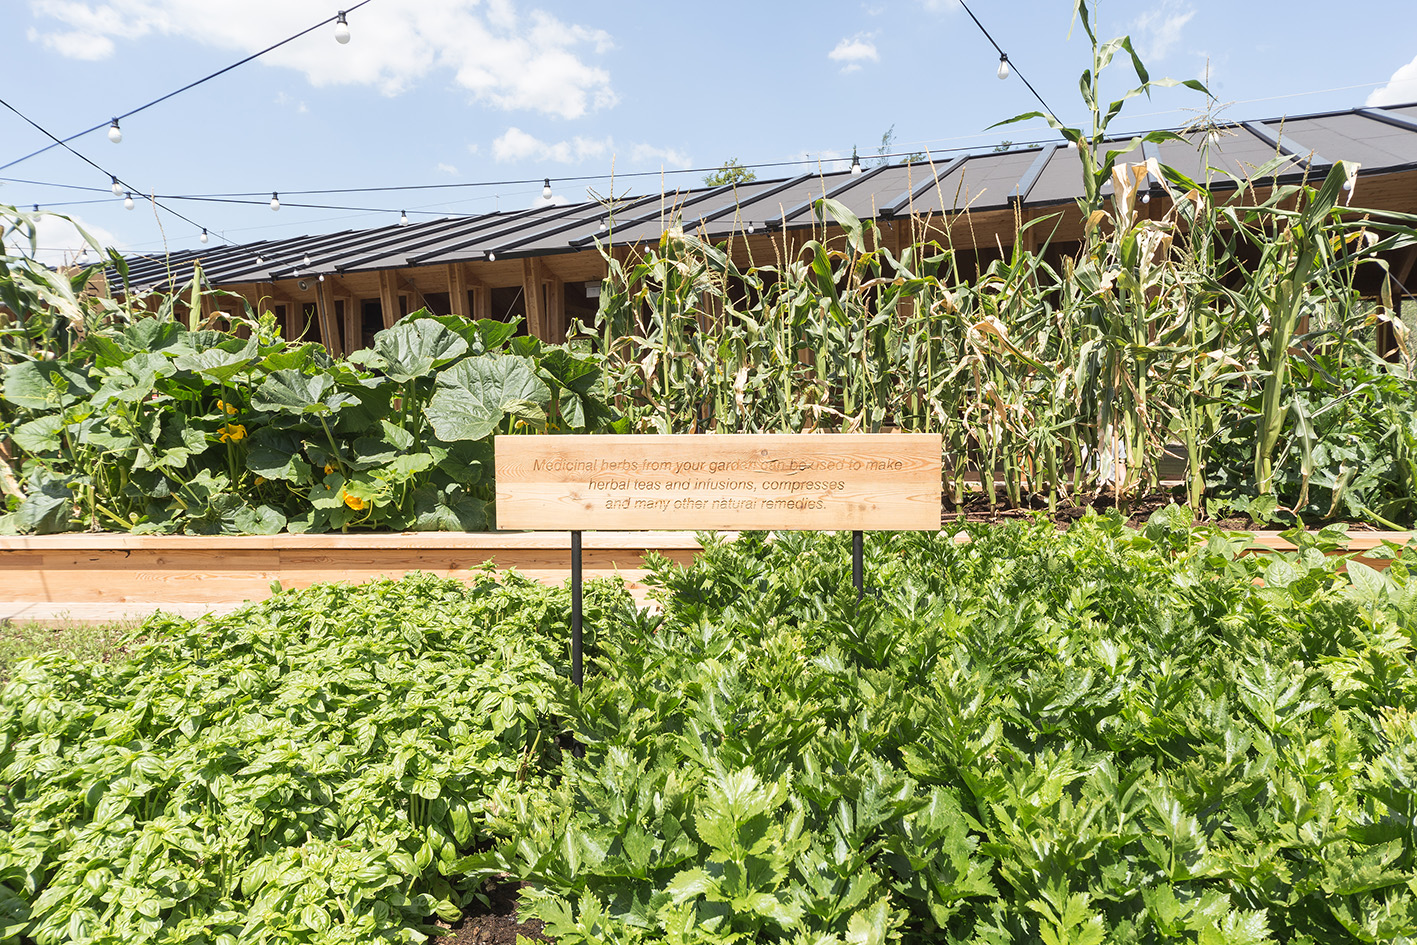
[
  {"x": 1348, "y": 185},
  {"x": 855, "y": 163},
  {"x": 275, "y": 201},
  {"x": 322, "y": 277},
  {"x": 602, "y": 226},
  {"x": 203, "y": 237},
  {"x": 307, "y": 260},
  {"x": 260, "y": 261},
  {"x": 403, "y": 218},
  {"x": 1146, "y": 198},
  {"x": 1003, "y": 65},
  {"x": 341, "y": 29},
  {"x": 750, "y": 229},
  {"x": 115, "y": 134},
  {"x": 127, "y": 201},
  {"x": 546, "y": 190},
  {"x": 117, "y": 188},
  {"x": 491, "y": 256}
]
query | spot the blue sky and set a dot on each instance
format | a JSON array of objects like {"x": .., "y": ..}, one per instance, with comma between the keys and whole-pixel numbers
[{"x": 462, "y": 91}]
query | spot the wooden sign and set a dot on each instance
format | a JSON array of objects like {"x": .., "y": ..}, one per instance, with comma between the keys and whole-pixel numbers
[{"x": 789, "y": 481}]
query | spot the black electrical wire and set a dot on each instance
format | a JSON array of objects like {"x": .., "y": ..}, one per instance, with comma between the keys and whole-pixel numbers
[
  {"x": 1002, "y": 55},
  {"x": 44, "y": 131},
  {"x": 190, "y": 85},
  {"x": 249, "y": 203},
  {"x": 392, "y": 188}
]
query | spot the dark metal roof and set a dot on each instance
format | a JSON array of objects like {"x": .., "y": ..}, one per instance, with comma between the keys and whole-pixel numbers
[{"x": 1381, "y": 140}]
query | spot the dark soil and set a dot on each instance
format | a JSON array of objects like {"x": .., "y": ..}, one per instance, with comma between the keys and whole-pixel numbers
[
  {"x": 497, "y": 924},
  {"x": 976, "y": 509}
]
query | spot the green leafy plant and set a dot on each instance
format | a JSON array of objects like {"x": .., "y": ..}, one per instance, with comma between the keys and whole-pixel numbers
[
  {"x": 152, "y": 427},
  {"x": 1101, "y": 735},
  {"x": 302, "y": 771}
]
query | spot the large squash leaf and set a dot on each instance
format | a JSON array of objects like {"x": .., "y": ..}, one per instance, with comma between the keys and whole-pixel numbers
[{"x": 474, "y": 396}]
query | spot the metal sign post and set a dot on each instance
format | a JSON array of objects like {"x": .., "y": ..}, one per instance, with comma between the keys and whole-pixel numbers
[
  {"x": 577, "y": 667},
  {"x": 858, "y": 564}
]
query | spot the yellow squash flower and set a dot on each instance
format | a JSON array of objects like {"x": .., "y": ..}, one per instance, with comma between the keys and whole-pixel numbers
[
  {"x": 329, "y": 468},
  {"x": 232, "y": 432},
  {"x": 222, "y": 405},
  {"x": 353, "y": 501}
]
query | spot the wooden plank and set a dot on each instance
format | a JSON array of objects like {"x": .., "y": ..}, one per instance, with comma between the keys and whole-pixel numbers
[
  {"x": 296, "y": 319},
  {"x": 557, "y": 323},
  {"x": 388, "y": 298},
  {"x": 121, "y": 545},
  {"x": 888, "y": 481},
  {"x": 531, "y": 291},
  {"x": 329, "y": 325},
  {"x": 353, "y": 325},
  {"x": 457, "y": 290}
]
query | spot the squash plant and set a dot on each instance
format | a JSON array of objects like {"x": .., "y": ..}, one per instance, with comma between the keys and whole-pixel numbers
[{"x": 150, "y": 427}]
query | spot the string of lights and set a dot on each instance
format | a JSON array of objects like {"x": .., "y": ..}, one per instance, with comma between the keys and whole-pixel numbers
[
  {"x": 117, "y": 184},
  {"x": 1004, "y": 63},
  {"x": 115, "y": 132},
  {"x": 249, "y": 197}
]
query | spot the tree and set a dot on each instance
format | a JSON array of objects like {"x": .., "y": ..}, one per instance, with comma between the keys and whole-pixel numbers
[
  {"x": 730, "y": 173},
  {"x": 888, "y": 144}
]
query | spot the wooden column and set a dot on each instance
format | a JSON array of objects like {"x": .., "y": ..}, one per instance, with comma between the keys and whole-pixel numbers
[
  {"x": 353, "y": 325},
  {"x": 388, "y": 297},
  {"x": 482, "y": 302},
  {"x": 531, "y": 291},
  {"x": 457, "y": 290},
  {"x": 329, "y": 326},
  {"x": 557, "y": 323}
]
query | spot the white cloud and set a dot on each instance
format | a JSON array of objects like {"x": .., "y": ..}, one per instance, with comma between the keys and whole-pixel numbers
[
  {"x": 1400, "y": 89},
  {"x": 937, "y": 6},
  {"x": 517, "y": 145},
  {"x": 668, "y": 157},
  {"x": 502, "y": 56},
  {"x": 59, "y": 242},
  {"x": 853, "y": 51},
  {"x": 1160, "y": 28},
  {"x": 78, "y": 45},
  {"x": 448, "y": 169},
  {"x": 287, "y": 101}
]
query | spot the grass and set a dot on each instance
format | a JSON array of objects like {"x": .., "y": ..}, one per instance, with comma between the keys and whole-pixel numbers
[{"x": 88, "y": 642}]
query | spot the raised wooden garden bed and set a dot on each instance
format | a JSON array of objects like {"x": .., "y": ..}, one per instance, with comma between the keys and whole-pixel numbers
[
  {"x": 100, "y": 577},
  {"x": 76, "y": 578}
]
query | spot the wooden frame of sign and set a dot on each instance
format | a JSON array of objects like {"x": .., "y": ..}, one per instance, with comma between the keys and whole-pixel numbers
[{"x": 732, "y": 481}]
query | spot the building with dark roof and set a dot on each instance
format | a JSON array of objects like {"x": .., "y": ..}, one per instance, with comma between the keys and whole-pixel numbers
[{"x": 545, "y": 264}]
